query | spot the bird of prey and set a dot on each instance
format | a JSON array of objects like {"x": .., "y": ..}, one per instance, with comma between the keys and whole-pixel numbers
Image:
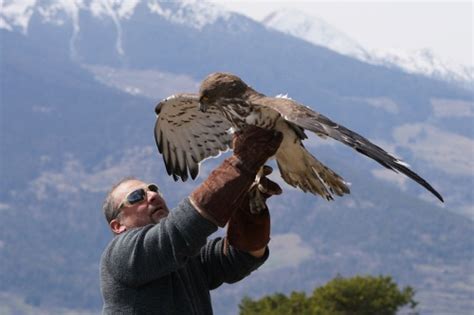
[{"x": 190, "y": 128}]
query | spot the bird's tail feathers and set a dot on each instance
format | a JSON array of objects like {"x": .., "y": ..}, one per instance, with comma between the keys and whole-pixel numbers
[{"x": 300, "y": 169}]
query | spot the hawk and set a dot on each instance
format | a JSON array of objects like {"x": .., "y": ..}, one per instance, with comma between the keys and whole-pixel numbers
[{"x": 191, "y": 128}]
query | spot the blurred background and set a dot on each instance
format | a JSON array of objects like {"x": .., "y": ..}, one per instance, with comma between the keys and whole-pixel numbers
[{"x": 79, "y": 83}]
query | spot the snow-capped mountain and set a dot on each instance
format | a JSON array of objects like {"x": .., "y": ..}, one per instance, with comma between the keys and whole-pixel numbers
[
  {"x": 317, "y": 31},
  {"x": 16, "y": 15},
  {"x": 423, "y": 61}
]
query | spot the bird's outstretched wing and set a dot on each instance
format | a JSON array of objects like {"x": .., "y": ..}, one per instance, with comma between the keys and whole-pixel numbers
[
  {"x": 186, "y": 136},
  {"x": 308, "y": 119}
]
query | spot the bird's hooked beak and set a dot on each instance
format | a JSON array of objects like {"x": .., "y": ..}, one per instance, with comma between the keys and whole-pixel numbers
[{"x": 202, "y": 105}]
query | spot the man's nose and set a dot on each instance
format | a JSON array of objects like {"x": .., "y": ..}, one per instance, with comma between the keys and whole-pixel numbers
[{"x": 152, "y": 196}]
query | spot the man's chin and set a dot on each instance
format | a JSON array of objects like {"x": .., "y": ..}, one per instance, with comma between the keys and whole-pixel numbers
[{"x": 158, "y": 215}]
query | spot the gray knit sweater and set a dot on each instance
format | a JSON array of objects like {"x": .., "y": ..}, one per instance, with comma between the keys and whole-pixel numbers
[{"x": 169, "y": 268}]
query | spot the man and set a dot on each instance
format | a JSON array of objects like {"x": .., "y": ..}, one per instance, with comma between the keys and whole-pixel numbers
[{"x": 160, "y": 262}]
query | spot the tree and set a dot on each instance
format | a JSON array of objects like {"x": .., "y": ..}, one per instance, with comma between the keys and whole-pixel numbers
[
  {"x": 278, "y": 304},
  {"x": 341, "y": 296},
  {"x": 362, "y": 295}
]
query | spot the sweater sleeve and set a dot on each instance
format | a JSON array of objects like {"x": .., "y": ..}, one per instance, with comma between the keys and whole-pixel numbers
[
  {"x": 229, "y": 268},
  {"x": 143, "y": 254}
]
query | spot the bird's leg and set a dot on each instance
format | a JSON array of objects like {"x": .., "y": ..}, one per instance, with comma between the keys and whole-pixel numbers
[{"x": 256, "y": 199}]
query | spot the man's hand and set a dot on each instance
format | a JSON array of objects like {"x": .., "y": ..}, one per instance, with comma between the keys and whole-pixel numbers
[{"x": 251, "y": 232}]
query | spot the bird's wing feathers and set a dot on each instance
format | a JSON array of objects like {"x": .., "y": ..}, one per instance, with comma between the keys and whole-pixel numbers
[
  {"x": 308, "y": 119},
  {"x": 186, "y": 136}
]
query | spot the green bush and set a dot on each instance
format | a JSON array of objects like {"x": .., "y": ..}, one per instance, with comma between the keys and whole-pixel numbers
[{"x": 360, "y": 295}]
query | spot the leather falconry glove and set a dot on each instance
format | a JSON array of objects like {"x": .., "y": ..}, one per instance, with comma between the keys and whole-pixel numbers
[
  {"x": 249, "y": 231},
  {"x": 221, "y": 193}
]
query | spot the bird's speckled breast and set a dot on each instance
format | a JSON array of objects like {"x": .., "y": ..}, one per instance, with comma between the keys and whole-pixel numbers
[{"x": 240, "y": 114}]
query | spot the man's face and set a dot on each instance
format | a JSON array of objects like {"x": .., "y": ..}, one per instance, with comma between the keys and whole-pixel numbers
[{"x": 149, "y": 211}]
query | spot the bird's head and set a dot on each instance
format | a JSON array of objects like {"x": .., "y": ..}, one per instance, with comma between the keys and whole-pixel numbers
[{"x": 218, "y": 86}]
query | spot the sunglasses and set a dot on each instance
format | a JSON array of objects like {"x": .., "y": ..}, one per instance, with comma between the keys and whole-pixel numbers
[{"x": 136, "y": 196}]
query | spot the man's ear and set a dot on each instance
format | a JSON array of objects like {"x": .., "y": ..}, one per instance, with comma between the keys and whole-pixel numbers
[{"x": 117, "y": 227}]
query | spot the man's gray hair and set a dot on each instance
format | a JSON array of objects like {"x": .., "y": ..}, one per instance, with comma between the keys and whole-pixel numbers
[{"x": 109, "y": 207}]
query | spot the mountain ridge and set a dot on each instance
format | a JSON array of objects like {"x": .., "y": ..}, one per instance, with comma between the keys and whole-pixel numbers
[{"x": 319, "y": 32}]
